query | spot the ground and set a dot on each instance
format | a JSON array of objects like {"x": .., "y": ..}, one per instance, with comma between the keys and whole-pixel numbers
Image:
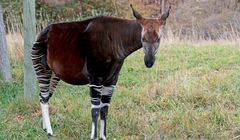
[{"x": 192, "y": 92}]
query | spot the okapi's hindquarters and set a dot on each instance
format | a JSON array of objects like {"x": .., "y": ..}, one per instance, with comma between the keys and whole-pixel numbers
[{"x": 47, "y": 81}]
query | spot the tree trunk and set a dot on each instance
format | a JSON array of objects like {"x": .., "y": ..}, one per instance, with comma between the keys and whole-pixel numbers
[
  {"x": 5, "y": 69},
  {"x": 163, "y": 6},
  {"x": 29, "y": 33}
]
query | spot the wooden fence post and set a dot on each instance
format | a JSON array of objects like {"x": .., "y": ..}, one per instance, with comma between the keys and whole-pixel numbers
[
  {"x": 29, "y": 33},
  {"x": 5, "y": 69}
]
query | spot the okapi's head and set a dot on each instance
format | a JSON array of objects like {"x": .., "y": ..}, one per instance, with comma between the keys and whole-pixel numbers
[{"x": 151, "y": 34}]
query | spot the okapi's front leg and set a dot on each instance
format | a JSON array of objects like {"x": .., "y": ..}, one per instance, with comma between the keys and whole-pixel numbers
[
  {"x": 106, "y": 96},
  {"x": 95, "y": 93}
]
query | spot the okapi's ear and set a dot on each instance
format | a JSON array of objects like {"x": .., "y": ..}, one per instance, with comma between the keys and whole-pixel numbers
[
  {"x": 135, "y": 13},
  {"x": 165, "y": 15}
]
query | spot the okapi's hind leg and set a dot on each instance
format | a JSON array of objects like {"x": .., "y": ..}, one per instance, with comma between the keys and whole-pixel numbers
[
  {"x": 47, "y": 82},
  {"x": 44, "y": 106}
]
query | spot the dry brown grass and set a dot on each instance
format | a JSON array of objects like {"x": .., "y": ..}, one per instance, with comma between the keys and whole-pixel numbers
[{"x": 15, "y": 46}]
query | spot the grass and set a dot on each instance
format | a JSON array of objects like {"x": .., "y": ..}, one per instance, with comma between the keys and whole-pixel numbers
[{"x": 192, "y": 92}]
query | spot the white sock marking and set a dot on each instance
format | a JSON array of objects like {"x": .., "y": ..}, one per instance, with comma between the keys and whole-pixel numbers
[
  {"x": 102, "y": 125},
  {"x": 93, "y": 131},
  {"x": 46, "y": 118},
  {"x": 44, "y": 124}
]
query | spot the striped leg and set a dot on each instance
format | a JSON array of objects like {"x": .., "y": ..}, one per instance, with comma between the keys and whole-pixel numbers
[
  {"x": 44, "y": 84},
  {"x": 44, "y": 77},
  {"x": 53, "y": 83},
  {"x": 106, "y": 96},
  {"x": 95, "y": 93}
]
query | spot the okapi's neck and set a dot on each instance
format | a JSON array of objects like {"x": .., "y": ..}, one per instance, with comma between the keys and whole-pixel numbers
[
  {"x": 130, "y": 37},
  {"x": 124, "y": 36},
  {"x": 116, "y": 37}
]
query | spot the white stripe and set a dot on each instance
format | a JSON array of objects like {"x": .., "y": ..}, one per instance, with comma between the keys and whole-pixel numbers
[
  {"x": 104, "y": 104},
  {"x": 37, "y": 65},
  {"x": 43, "y": 85},
  {"x": 95, "y": 106},
  {"x": 43, "y": 76},
  {"x": 108, "y": 90},
  {"x": 95, "y": 99},
  {"x": 94, "y": 86},
  {"x": 112, "y": 86},
  {"x": 45, "y": 95},
  {"x": 36, "y": 56}
]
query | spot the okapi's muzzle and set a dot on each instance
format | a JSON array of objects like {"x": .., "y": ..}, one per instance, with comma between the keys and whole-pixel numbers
[
  {"x": 149, "y": 60},
  {"x": 150, "y": 49}
]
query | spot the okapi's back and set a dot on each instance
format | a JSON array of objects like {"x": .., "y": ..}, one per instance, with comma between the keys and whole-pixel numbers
[{"x": 79, "y": 25}]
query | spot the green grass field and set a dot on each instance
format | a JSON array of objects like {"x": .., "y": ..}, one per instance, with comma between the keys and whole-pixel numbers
[{"x": 192, "y": 92}]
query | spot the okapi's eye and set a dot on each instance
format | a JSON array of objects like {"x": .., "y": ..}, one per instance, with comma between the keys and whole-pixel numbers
[{"x": 144, "y": 39}]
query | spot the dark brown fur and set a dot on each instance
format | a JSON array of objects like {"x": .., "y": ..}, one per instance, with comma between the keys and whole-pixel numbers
[{"x": 103, "y": 41}]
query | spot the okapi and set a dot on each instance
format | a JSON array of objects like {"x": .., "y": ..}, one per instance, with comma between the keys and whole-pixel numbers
[{"x": 92, "y": 52}]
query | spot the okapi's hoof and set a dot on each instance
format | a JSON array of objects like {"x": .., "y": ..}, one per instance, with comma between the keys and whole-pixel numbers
[{"x": 49, "y": 135}]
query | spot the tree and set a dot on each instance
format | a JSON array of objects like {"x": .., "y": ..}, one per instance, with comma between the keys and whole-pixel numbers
[
  {"x": 29, "y": 32},
  {"x": 163, "y": 6},
  {"x": 5, "y": 69}
]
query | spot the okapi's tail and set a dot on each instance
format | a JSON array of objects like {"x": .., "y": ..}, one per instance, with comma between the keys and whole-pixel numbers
[
  {"x": 39, "y": 53},
  {"x": 39, "y": 49}
]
